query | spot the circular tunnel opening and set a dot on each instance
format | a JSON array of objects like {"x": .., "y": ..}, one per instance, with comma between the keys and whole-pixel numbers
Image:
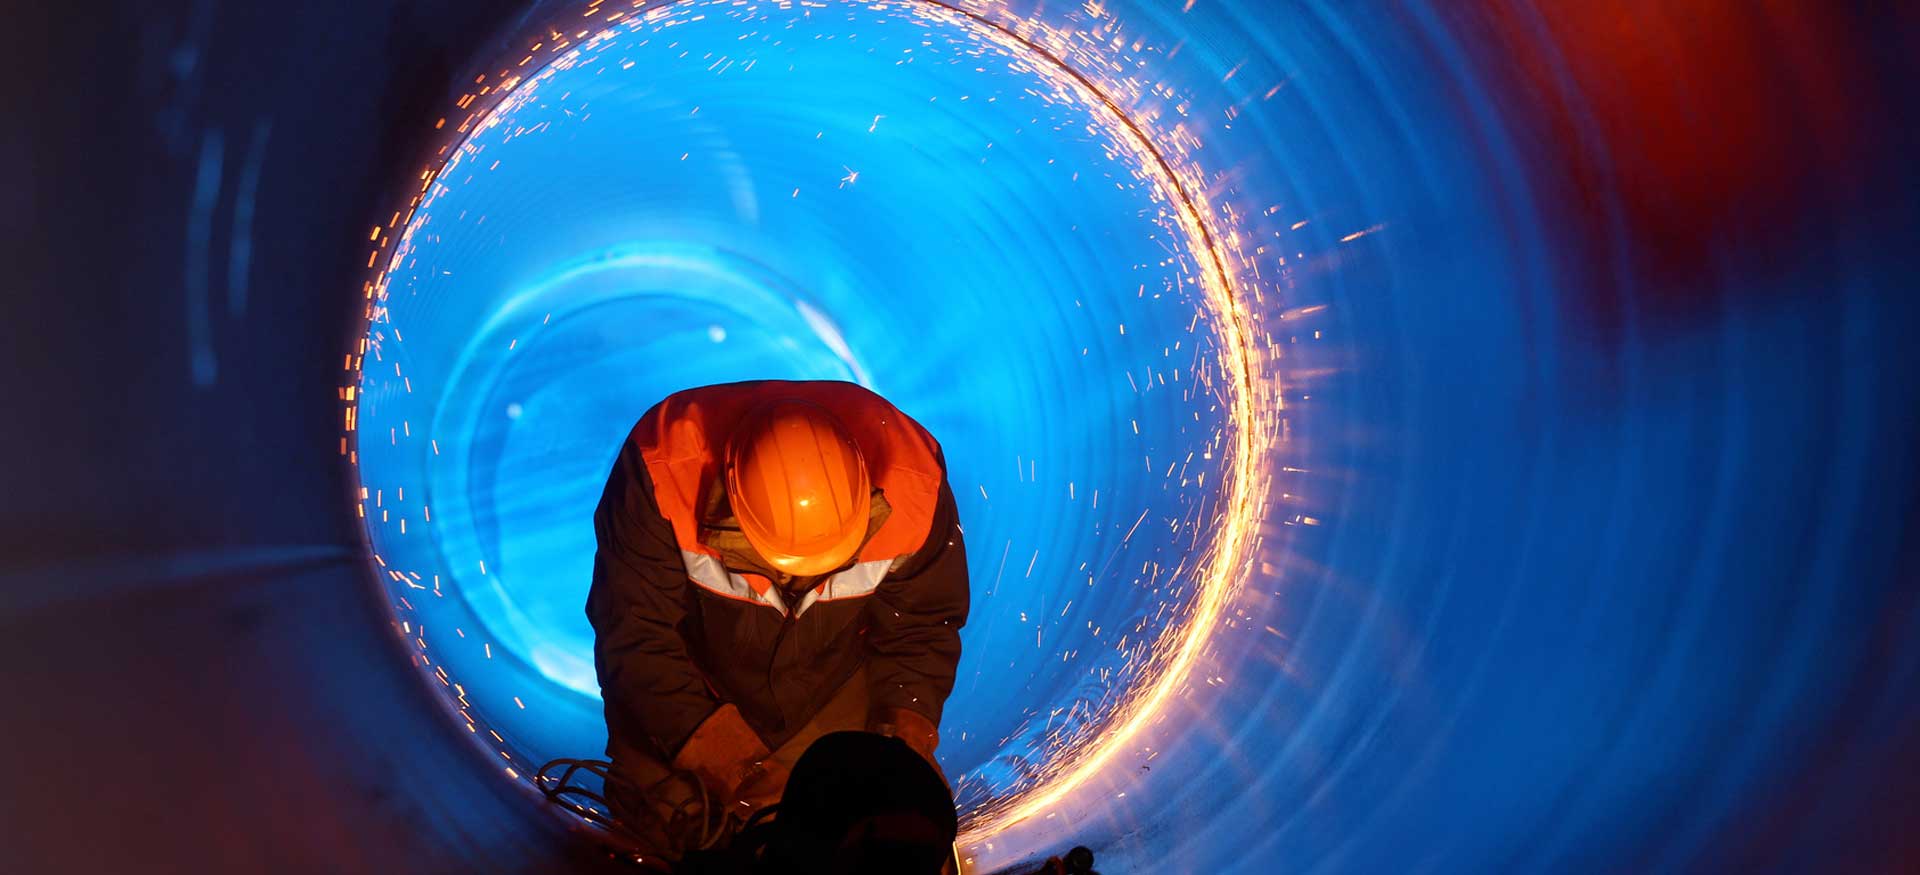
[{"x": 896, "y": 194}]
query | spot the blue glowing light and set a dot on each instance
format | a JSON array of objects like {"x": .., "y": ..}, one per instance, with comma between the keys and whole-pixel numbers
[{"x": 728, "y": 193}]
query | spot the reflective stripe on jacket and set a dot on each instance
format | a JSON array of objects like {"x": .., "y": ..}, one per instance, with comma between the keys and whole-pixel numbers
[{"x": 682, "y": 626}]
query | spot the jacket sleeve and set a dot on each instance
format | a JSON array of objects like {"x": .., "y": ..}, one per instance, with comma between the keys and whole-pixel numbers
[
  {"x": 639, "y": 598},
  {"x": 913, "y": 633}
]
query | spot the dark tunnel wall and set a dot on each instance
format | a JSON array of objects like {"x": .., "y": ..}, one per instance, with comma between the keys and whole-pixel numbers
[
  {"x": 1610, "y": 444},
  {"x": 211, "y": 687}
]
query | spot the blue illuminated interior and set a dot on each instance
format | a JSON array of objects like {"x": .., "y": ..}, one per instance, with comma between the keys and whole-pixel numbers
[
  {"x": 1562, "y": 546},
  {"x": 1586, "y": 538},
  {"x": 851, "y": 196}
]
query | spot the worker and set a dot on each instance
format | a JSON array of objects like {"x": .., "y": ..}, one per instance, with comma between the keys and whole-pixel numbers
[{"x": 776, "y": 561}]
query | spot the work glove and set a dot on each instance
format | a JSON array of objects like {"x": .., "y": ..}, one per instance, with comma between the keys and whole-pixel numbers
[
  {"x": 724, "y": 752},
  {"x": 913, "y": 728},
  {"x": 762, "y": 787}
]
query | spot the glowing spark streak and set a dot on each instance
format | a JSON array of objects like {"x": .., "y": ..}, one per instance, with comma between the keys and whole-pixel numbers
[
  {"x": 1084, "y": 756},
  {"x": 1221, "y": 575}
]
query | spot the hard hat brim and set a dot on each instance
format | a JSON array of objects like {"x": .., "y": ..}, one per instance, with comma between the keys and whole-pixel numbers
[{"x": 829, "y": 557}]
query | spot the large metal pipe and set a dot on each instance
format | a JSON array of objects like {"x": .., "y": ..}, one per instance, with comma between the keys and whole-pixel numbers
[{"x": 1568, "y": 348}]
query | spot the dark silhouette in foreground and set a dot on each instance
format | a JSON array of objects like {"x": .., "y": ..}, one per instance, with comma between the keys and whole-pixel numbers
[{"x": 858, "y": 803}]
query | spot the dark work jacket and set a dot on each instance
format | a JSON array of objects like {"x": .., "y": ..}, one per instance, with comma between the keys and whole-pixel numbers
[{"x": 669, "y": 652}]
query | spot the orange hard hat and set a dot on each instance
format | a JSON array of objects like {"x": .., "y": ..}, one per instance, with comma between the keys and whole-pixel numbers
[{"x": 799, "y": 486}]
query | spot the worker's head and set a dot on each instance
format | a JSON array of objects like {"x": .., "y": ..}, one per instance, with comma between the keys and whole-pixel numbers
[
  {"x": 859, "y": 803},
  {"x": 799, "y": 487}
]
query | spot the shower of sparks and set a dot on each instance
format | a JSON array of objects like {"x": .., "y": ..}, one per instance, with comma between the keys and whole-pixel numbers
[{"x": 1144, "y": 123}]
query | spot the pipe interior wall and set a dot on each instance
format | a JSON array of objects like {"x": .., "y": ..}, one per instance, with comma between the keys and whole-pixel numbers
[{"x": 1578, "y": 357}]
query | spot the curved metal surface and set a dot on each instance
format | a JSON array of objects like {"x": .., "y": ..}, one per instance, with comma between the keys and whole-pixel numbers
[{"x": 1591, "y": 500}]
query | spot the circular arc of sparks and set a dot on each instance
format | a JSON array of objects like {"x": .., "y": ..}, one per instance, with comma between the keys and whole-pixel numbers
[
  {"x": 1137, "y": 711},
  {"x": 1226, "y": 553}
]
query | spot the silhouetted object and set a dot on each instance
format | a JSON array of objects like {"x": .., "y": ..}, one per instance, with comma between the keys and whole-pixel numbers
[
  {"x": 862, "y": 803},
  {"x": 1078, "y": 861},
  {"x": 858, "y": 803}
]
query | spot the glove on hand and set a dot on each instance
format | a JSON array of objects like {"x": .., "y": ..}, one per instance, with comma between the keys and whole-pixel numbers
[
  {"x": 911, "y": 727},
  {"x": 723, "y": 752}
]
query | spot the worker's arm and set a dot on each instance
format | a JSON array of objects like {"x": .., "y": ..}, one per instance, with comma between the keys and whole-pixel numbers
[
  {"x": 913, "y": 633},
  {"x": 639, "y": 597}
]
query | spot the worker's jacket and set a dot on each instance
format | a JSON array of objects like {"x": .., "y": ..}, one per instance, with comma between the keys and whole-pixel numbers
[{"x": 686, "y": 618}]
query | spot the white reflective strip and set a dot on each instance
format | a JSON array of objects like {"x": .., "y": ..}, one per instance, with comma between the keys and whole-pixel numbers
[
  {"x": 707, "y": 571},
  {"x": 771, "y": 596},
  {"x": 854, "y": 582},
  {"x": 862, "y": 579}
]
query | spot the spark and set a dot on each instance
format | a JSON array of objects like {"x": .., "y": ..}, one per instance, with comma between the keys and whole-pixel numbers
[
  {"x": 1083, "y": 65},
  {"x": 1359, "y": 234}
]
